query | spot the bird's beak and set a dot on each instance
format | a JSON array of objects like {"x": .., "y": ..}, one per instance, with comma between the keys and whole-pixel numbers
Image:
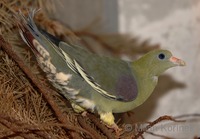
[{"x": 177, "y": 61}]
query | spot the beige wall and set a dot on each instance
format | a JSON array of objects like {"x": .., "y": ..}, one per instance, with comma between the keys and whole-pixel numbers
[
  {"x": 175, "y": 24},
  {"x": 101, "y": 14}
]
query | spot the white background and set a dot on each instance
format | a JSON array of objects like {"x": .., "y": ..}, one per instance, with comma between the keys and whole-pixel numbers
[{"x": 175, "y": 24}]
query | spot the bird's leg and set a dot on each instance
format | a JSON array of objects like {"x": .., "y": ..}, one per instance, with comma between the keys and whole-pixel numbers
[
  {"x": 79, "y": 109},
  {"x": 109, "y": 120}
]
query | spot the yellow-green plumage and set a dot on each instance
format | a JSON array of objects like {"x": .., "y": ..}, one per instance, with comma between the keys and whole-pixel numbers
[{"x": 91, "y": 82}]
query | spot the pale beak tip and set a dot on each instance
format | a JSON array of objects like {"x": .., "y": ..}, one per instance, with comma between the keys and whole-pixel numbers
[
  {"x": 177, "y": 61},
  {"x": 182, "y": 63}
]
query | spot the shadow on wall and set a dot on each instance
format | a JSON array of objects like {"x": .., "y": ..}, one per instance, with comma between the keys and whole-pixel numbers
[
  {"x": 98, "y": 16},
  {"x": 143, "y": 112}
]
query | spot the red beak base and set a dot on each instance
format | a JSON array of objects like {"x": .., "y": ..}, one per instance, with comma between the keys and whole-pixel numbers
[{"x": 177, "y": 61}]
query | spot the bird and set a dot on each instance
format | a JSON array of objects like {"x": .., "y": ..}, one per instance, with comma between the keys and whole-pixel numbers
[{"x": 92, "y": 82}]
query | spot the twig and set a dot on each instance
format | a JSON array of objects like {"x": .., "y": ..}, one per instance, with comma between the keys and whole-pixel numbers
[
  {"x": 151, "y": 124},
  {"x": 16, "y": 131},
  {"x": 102, "y": 127},
  {"x": 83, "y": 124}
]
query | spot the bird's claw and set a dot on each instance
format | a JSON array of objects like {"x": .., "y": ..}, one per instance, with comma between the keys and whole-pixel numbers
[{"x": 115, "y": 128}]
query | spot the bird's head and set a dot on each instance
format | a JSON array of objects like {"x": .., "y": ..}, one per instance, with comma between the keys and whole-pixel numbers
[{"x": 157, "y": 61}]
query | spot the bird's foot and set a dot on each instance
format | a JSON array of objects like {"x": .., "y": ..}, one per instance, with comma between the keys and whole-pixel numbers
[
  {"x": 108, "y": 120},
  {"x": 116, "y": 129}
]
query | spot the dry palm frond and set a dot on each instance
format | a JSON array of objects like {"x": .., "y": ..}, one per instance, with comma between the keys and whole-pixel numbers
[{"x": 20, "y": 103}]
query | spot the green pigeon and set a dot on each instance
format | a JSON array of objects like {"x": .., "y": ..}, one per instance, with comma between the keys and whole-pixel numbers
[{"x": 94, "y": 83}]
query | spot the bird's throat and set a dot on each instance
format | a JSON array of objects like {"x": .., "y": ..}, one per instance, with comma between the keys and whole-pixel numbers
[{"x": 146, "y": 83}]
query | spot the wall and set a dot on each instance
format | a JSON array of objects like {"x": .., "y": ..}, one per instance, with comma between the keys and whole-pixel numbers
[
  {"x": 99, "y": 15},
  {"x": 175, "y": 24}
]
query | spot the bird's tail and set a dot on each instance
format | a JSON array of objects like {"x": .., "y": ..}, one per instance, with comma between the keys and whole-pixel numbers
[{"x": 31, "y": 34}]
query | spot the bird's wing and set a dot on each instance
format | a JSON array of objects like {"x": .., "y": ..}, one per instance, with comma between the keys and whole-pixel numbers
[{"x": 110, "y": 77}]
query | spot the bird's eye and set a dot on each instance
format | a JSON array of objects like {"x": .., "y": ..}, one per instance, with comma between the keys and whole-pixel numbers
[{"x": 161, "y": 56}]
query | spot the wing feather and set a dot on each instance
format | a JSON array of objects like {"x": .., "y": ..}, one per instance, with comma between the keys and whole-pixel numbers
[{"x": 108, "y": 76}]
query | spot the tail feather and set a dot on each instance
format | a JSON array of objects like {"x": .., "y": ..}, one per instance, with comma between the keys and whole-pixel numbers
[
  {"x": 28, "y": 29},
  {"x": 29, "y": 22},
  {"x": 28, "y": 38},
  {"x": 31, "y": 35},
  {"x": 52, "y": 38}
]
